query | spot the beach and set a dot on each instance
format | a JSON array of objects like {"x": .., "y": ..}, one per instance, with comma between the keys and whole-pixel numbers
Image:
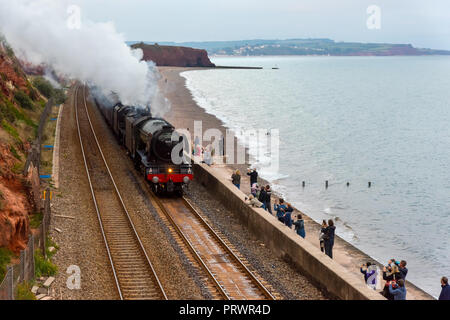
[{"x": 184, "y": 111}]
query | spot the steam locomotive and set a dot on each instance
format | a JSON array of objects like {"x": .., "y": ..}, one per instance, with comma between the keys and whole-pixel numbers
[{"x": 151, "y": 143}]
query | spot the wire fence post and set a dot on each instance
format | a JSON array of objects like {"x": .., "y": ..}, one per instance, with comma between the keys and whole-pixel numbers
[{"x": 11, "y": 283}]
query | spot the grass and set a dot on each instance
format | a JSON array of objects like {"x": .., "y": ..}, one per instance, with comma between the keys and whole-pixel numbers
[
  {"x": 18, "y": 167},
  {"x": 44, "y": 267},
  {"x": 14, "y": 153},
  {"x": 36, "y": 220},
  {"x": 24, "y": 291},
  {"x": 51, "y": 243},
  {"x": 11, "y": 130},
  {"x": 5, "y": 259}
]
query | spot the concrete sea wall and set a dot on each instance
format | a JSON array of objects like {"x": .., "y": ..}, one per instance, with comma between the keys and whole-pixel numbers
[{"x": 326, "y": 273}]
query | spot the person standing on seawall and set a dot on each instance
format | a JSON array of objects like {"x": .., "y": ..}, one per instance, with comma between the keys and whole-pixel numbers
[
  {"x": 329, "y": 238},
  {"x": 236, "y": 179},
  {"x": 322, "y": 235},
  {"x": 267, "y": 201},
  {"x": 300, "y": 226},
  {"x": 398, "y": 293},
  {"x": 262, "y": 197},
  {"x": 253, "y": 176},
  {"x": 445, "y": 293},
  {"x": 403, "y": 269}
]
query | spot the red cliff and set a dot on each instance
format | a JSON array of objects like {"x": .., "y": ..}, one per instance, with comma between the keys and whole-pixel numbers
[
  {"x": 175, "y": 56},
  {"x": 15, "y": 134}
]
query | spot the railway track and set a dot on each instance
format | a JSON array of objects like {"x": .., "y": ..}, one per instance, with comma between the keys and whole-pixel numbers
[
  {"x": 231, "y": 277},
  {"x": 133, "y": 272}
]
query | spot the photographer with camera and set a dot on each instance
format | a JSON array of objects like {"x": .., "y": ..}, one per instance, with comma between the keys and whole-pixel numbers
[
  {"x": 398, "y": 291},
  {"x": 391, "y": 275}
]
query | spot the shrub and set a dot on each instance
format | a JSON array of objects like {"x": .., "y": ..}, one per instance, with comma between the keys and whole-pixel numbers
[
  {"x": 59, "y": 96},
  {"x": 44, "y": 87},
  {"x": 23, "y": 100},
  {"x": 33, "y": 93},
  {"x": 24, "y": 292}
]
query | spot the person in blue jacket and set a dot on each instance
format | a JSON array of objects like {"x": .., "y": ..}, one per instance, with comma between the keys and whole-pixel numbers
[
  {"x": 400, "y": 292},
  {"x": 300, "y": 226},
  {"x": 280, "y": 209},
  {"x": 445, "y": 293},
  {"x": 288, "y": 215}
]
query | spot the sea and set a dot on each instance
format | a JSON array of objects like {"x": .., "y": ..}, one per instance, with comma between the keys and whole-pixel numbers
[{"x": 355, "y": 120}]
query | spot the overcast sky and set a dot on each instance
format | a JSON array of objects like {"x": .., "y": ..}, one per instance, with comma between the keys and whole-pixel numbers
[{"x": 423, "y": 23}]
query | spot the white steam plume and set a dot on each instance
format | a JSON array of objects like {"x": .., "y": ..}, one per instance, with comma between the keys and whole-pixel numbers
[{"x": 38, "y": 32}]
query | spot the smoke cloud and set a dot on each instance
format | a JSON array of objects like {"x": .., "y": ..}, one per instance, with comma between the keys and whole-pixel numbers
[{"x": 39, "y": 31}]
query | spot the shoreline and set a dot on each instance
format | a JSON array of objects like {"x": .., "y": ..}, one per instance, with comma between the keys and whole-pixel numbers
[{"x": 185, "y": 111}]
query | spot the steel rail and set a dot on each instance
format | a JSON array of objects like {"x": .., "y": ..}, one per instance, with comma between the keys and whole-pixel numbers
[
  {"x": 228, "y": 249},
  {"x": 135, "y": 234}
]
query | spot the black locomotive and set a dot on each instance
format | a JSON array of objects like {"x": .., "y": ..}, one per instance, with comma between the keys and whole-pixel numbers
[{"x": 152, "y": 143}]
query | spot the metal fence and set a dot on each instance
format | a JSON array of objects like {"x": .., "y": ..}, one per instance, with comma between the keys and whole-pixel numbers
[
  {"x": 34, "y": 155},
  {"x": 25, "y": 270},
  {"x": 16, "y": 274}
]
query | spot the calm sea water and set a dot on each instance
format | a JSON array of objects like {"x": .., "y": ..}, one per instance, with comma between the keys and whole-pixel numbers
[{"x": 353, "y": 119}]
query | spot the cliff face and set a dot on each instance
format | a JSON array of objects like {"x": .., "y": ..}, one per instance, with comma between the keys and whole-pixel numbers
[
  {"x": 19, "y": 110},
  {"x": 175, "y": 56}
]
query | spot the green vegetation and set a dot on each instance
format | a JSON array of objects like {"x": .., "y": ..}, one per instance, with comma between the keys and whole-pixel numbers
[
  {"x": 23, "y": 100},
  {"x": 36, "y": 220},
  {"x": 5, "y": 259},
  {"x": 319, "y": 46},
  {"x": 51, "y": 243},
  {"x": 11, "y": 130},
  {"x": 44, "y": 87},
  {"x": 34, "y": 95},
  {"x": 10, "y": 113},
  {"x": 14, "y": 153},
  {"x": 47, "y": 90},
  {"x": 59, "y": 96},
  {"x": 9, "y": 51},
  {"x": 18, "y": 167},
  {"x": 43, "y": 267},
  {"x": 24, "y": 291}
]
